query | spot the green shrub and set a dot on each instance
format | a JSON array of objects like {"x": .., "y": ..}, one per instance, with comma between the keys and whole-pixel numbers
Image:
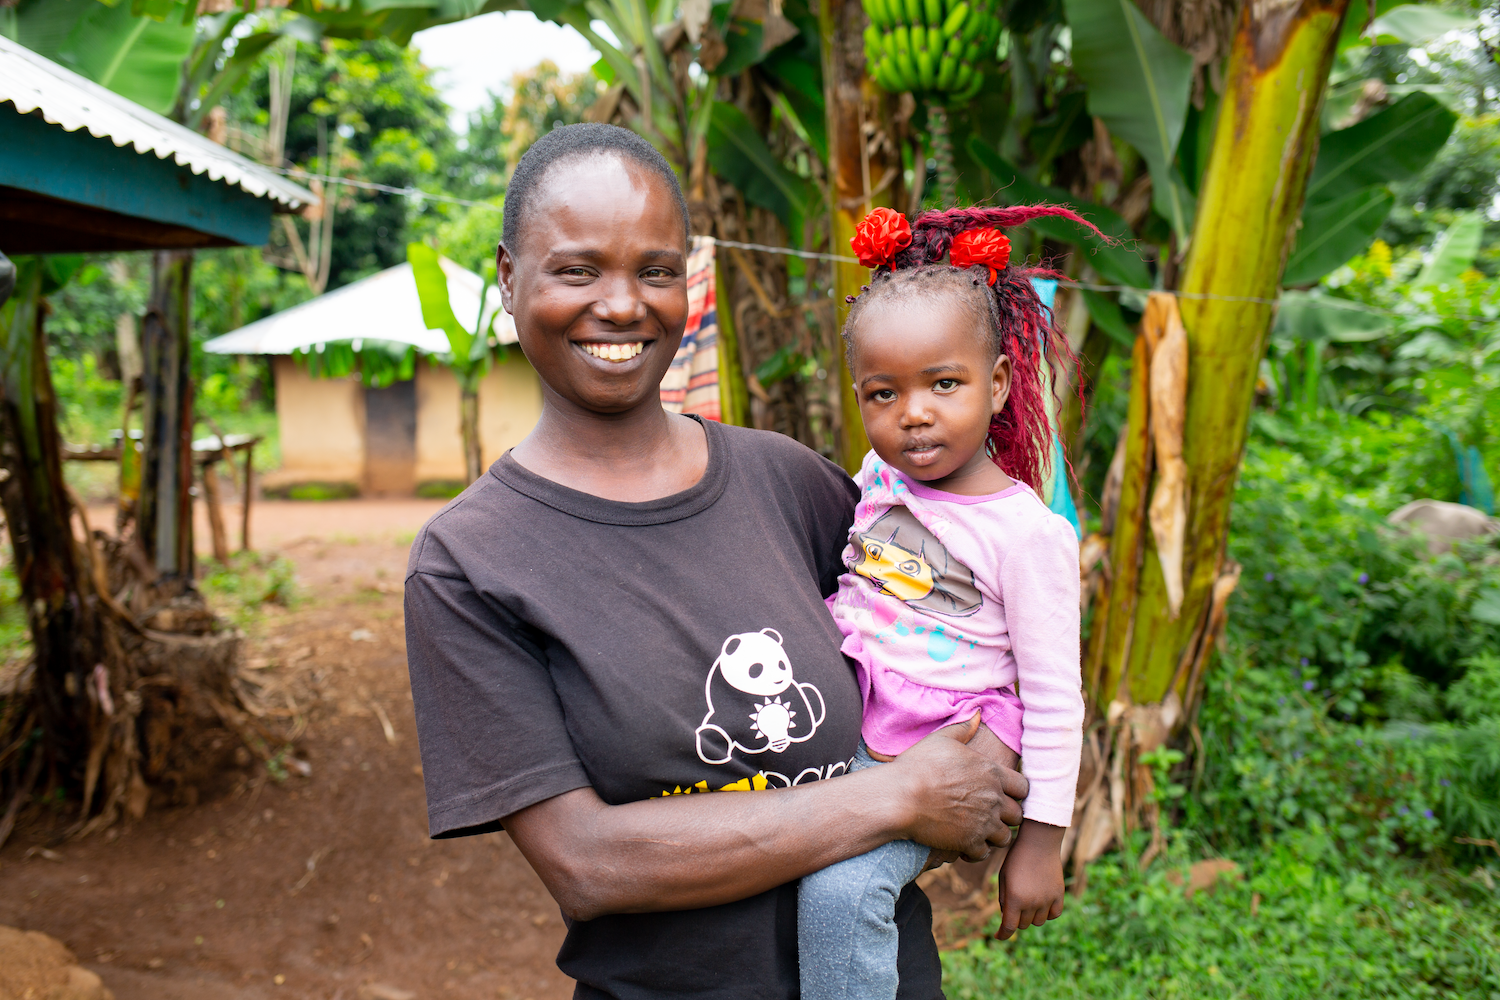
[
  {"x": 1301, "y": 923},
  {"x": 315, "y": 491},
  {"x": 250, "y": 580},
  {"x": 1333, "y": 593},
  {"x": 441, "y": 489}
]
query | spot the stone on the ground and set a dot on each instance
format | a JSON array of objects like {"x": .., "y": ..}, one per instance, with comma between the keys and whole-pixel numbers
[
  {"x": 1444, "y": 523},
  {"x": 34, "y": 966}
]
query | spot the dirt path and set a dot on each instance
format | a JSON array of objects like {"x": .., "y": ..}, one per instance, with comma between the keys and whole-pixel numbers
[{"x": 324, "y": 886}]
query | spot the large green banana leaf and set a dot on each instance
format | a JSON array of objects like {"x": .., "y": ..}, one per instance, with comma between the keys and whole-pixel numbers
[
  {"x": 1117, "y": 263},
  {"x": 739, "y": 154},
  {"x": 1334, "y": 231},
  {"x": 1417, "y": 23},
  {"x": 1306, "y": 316},
  {"x": 136, "y": 57},
  {"x": 1139, "y": 84},
  {"x": 797, "y": 71},
  {"x": 1394, "y": 145},
  {"x": 1454, "y": 252},
  {"x": 432, "y": 290},
  {"x": 1348, "y": 196}
]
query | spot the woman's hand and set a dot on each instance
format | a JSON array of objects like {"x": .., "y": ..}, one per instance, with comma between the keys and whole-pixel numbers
[
  {"x": 1031, "y": 879},
  {"x": 961, "y": 801}
]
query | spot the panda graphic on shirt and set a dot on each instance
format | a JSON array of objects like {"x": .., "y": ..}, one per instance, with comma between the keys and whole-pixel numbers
[{"x": 755, "y": 704}]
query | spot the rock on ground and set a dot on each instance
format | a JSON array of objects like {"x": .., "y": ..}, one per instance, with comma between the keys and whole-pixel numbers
[
  {"x": 34, "y": 966},
  {"x": 1444, "y": 523}
]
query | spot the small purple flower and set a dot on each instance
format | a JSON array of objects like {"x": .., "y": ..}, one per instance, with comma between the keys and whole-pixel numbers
[
  {"x": 1359, "y": 743},
  {"x": 1443, "y": 782},
  {"x": 1281, "y": 701},
  {"x": 1270, "y": 577},
  {"x": 1427, "y": 813},
  {"x": 1308, "y": 685},
  {"x": 1403, "y": 810},
  {"x": 1364, "y": 578}
]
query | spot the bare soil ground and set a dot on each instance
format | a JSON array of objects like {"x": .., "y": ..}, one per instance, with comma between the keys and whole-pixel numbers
[{"x": 325, "y": 884}]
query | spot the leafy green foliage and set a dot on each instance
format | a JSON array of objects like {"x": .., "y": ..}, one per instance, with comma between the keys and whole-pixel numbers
[
  {"x": 240, "y": 589},
  {"x": 740, "y": 155},
  {"x": 498, "y": 135},
  {"x": 15, "y": 636},
  {"x": 1438, "y": 361},
  {"x": 1116, "y": 262},
  {"x": 1300, "y": 922},
  {"x": 368, "y": 110},
  {"x": 1138, "y": 83},
  {"x": 1349, "y": 195},
  {"x": 1328, "y": 587},
  {"x": 1454, "y": 252},
  {"x": 138, "y": 57},
  {"x": 1465, "y": 176}
]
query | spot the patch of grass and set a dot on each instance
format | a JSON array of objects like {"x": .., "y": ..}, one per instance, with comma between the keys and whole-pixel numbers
[
  {"x": 441, "y": 489},
  {"x": 316, "y": 491},
  {"x": 1299, "y": 925},
  {"x": 15, "y": 637},
  {"x": 240, "y": 590}
]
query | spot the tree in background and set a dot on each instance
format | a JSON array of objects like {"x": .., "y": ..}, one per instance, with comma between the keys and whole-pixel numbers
[
  {"x": 106, "y": 613},
  {"x": 533, "y": 103},
  {"x": 361, "y": 109}
]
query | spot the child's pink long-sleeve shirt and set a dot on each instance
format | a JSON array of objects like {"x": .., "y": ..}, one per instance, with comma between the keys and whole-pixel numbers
[{"x": 948, "y": 601}]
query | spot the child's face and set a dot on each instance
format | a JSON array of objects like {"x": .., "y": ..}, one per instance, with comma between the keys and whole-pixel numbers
[{"x": 927, "y": 387}]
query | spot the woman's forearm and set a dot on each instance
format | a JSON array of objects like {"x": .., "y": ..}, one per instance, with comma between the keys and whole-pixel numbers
[
  {"x": 685, "y": 852},
  {"x": 690, "y": 851}
]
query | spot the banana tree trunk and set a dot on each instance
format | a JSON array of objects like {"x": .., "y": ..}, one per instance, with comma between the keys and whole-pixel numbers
[
  {"x": 1158, "y": 613},
  {"x": 60, "y": 610},
  {"x": 468, "y": 422},
  {"x": 863, "y": 173}
]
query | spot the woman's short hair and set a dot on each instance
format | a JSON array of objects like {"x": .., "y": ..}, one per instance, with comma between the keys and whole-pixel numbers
[{"x": 573, "y": 142}]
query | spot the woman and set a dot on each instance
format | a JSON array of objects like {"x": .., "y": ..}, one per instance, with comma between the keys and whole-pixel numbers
[{"x": 628, "y": 610}]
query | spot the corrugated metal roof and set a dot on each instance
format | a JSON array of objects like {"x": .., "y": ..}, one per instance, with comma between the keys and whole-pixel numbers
[
  {"x": 383, "y": 306},
  {"x": 30, "y": 81}
]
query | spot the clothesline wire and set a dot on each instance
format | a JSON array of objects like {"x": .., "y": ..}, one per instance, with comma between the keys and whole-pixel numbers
[{"x": 412, "y": 192}]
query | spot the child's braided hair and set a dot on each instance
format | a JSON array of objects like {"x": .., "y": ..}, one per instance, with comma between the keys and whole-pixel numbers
[{"x": 1001, "y": 298}]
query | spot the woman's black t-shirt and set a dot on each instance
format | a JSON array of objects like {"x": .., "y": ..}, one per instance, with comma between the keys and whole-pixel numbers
[{"x": 557, "y": 640}]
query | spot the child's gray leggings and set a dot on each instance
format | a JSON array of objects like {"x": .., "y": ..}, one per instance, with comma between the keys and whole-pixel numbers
[{"x": 846, "y": 919}]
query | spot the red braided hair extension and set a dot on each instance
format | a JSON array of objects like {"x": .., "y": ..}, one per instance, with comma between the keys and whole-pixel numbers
[{"x": 1020, "y": 437}]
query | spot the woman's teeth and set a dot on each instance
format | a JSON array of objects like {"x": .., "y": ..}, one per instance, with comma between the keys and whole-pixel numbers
[{"x": 615, "y": 352}]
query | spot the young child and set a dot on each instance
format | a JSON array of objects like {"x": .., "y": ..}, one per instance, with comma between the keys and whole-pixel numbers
[{"x": 960, "y": 582}]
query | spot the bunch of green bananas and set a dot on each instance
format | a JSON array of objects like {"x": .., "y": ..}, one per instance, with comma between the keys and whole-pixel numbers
[{"x": 930, "y": 46}]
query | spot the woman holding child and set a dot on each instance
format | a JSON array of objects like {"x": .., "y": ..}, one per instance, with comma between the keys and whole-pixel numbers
[{"x": 632, "y": 609}]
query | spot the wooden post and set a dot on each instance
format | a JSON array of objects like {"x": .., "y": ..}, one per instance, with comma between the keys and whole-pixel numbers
[
  {"x": 249, "y": 491},
  {"x": 215, "y": 508}
]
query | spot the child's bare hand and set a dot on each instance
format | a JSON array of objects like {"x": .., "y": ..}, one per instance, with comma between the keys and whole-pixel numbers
[{"x": 1031, "y": 879}]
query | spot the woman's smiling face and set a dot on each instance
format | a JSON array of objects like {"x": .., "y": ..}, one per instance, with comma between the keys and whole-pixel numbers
[{"x": 598, "y": 286}]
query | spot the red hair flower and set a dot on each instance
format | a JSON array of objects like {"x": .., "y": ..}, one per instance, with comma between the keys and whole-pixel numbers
[
  {"x": 880, "y": 236},
  {"x": 989, "y": 247}
]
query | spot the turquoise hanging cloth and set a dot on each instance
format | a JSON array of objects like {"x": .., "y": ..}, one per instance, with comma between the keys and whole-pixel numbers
[{"x": 1055, "y": 494}]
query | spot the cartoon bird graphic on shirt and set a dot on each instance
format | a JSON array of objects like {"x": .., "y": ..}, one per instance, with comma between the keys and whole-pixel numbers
[
  {"x": 905, "y": 560},
  {"x": 755, "y": 705}
]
